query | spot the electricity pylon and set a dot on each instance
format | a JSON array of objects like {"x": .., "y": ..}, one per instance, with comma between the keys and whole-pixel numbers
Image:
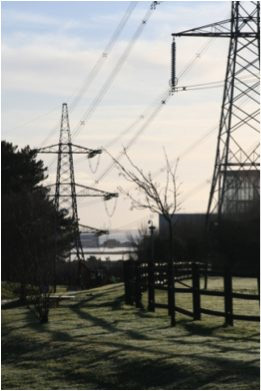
[
  {"x": 67, "y": 190},
  {"x": 235, "y": 183}
]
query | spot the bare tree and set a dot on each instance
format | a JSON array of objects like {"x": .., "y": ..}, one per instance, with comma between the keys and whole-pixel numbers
[{"x": 158, "y": 198}]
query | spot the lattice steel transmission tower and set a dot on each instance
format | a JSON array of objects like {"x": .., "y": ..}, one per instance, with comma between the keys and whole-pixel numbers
[
  {"x": 234, "y": 192},
  {"x": 67, "y": 190}
]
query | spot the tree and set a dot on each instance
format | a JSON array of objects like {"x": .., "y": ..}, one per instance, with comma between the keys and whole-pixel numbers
[
  {"x": 20, "y": 170},
  {"x": 142, "y": 245},
  {"x": 34, "y": 231},
  {"x": 159, "y": 199}
]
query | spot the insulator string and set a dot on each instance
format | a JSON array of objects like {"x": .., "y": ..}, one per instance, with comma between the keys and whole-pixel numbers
[
  {"x": 111, "y": 213},
  {"x": 95, "y": 168}
]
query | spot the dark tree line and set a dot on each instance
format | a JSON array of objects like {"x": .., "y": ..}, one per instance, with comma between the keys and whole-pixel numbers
[{"x": 33, "y": 231}]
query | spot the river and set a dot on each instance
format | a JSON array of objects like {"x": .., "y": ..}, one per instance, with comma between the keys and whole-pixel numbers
[{"x": 108, "y": 253}]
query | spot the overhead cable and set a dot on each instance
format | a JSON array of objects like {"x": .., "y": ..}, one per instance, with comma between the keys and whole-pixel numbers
[
  {"x": 195, "y": 144},
  {"x": 105, "y": 54},
  {"x": 162, "y": 101},
  {"x": 137, "y": 134},
  {"x": 98, "y": 65},
  {"x": 107, "y": 84}
]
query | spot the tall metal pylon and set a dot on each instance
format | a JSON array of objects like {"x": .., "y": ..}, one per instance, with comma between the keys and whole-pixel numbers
[
  {"x": 235, "y": 182},
  {"x": 67, "y": 190}
]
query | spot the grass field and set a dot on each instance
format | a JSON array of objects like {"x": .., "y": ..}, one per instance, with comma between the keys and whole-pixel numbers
[
  {"x": 10, "y": 290},
  {"x": 95, "y": 341}
]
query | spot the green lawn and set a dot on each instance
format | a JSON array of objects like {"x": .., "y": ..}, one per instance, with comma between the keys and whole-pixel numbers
[
  {"x": 10, "y": 290},
  {"x": 97, "y": 342}
]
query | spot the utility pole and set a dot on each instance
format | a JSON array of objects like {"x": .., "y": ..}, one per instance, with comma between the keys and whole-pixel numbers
[
  {"x": 67, "y": 190},
  {"x": 235, "y": 183}
]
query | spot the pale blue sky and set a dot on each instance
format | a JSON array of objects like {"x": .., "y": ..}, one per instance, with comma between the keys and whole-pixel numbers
[{"x": 48, "y": 49}]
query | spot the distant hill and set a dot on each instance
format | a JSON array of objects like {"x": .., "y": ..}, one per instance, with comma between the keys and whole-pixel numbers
[
  {"x": 120, "y": 236},
  {"x": 111, "y": 243}
]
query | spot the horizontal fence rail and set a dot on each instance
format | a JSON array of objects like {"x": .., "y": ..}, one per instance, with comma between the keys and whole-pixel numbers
[{"x": 164, "y": 276}]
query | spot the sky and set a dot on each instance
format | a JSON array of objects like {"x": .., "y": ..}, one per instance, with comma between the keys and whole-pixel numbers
[{"x": 48, "y": 50}]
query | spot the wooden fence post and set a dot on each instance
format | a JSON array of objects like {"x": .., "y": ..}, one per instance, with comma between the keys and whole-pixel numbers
[
  {"x": 196, "y": 291},
  {"x": 258, "y": 286},
  {"x": 151, "y": 288},
  {"x": 151, "y": 265},
  {"x": 138, "y": 290},
  {"x": 171, "y": 293},
  {"x": 128, "y": 281},
  {"x": 228, "y": 295},
  {"x": 206, "y": 275}
]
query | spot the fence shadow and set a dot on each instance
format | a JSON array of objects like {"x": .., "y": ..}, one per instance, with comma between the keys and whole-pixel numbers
[{"x": 136, "y": 360}]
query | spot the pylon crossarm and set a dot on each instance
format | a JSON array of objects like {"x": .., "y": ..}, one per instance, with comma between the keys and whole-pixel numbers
[
  {"x": 213, "y": 28},
  {"x": 70, "y": 148},
  {"x": 90, "y": 152},
  {"x": 87, "y": 191},
  {"x": 49, "y": 149},
  {"x": 219, "y": 29},
  {"x": 87, "y": 229},
  {"x": 83, "y": 191}
]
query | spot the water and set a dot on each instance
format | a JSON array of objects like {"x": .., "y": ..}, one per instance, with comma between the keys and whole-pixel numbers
[{"x": 108, "y": 253}]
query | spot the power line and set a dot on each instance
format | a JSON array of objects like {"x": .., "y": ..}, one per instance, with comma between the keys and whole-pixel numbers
[
  {"x": 137, "y": 134},
  {"x": 108, "y": 82},
  {"x": 105, "y": 54},
  {"x": 96, "y": 68},
  {"x": 116, "y": 69},
  {"x": 138, "y": 120},
  {"x": 194, "y": 58},
  {"x": 192, "y": 87},
  {"x": 91, "y": 109},
  {"x": 34, "y": 119},
  {"x": 196, "y": 189},
  {"x": 187, "y": 150},
  {"x": 163, "y": 100},
  {"x": 196, "y": 143}
]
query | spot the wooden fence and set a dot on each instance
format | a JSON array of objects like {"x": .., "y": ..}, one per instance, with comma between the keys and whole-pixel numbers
[{"x": 140, "y": 277}]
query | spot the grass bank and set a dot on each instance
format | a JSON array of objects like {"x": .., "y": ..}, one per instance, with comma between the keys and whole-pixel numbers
[
  {"x": 97, "y": 342},
  {"x": 11, "y": 290}
]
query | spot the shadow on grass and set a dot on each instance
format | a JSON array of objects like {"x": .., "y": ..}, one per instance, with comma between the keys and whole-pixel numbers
[
  {"x": 18, "y": 346},
  {"x": 139, "y": 374},
  {"x": 12, "y": 304},
  {"x": 81, "y": 310},
  {"x": 205, "y": 330},
  {"x": 106, "y": 325},
  {"x": 120, "y": 369},
  {"x": 123, "y": 358},
  {"x": 115, "y": 305},
  {"x": 199, "y": 328}
]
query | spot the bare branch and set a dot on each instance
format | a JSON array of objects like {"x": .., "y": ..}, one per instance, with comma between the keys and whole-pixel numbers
[{"x": 161, "y": 200}]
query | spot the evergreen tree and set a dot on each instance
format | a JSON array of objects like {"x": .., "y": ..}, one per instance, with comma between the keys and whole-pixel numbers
[{"x": 33, "y": 231}]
